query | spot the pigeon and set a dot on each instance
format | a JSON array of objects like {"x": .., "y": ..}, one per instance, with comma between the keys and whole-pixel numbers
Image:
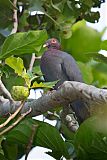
[{"x": 58, "y": 65}]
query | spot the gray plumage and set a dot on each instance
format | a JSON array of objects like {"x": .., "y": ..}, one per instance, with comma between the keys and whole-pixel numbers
[{"x": 59, "y": 65}]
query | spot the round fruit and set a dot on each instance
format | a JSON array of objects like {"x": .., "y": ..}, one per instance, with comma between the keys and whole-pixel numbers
[{"x": 19, "y": 93}]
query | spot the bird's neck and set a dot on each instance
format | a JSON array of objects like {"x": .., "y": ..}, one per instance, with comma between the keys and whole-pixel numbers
[
  {"x": 53, "y": 47},
  {"x": 53, "y": 51}
]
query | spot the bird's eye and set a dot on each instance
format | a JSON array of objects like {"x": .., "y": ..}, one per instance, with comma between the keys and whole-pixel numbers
[{"x": 53, "y": 41}]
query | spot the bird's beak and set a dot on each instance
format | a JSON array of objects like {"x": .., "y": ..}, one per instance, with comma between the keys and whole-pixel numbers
[{"x": 45, "y": 45}]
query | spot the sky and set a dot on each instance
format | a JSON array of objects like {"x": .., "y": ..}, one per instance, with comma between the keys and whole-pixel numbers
[{"x": 38, "y": 153}]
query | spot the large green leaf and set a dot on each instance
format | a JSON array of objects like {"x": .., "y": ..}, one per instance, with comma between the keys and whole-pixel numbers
[
  {"x": 91, "y": 139},
  {"x": 86, "y": 70},
  {"x": 5, "y": 13},
  {"x": 13, "y": 80},
  {"x": 87, "y": 2},
  {"x": 18, "y": 66},
  {"x": 44, "y": 85},
  {"x": 99, "y": 71},
  {"x": 35, "y": 5},
  {"x": 23, "y": 43},
  {"x": 10, "y": 150},
  {"x": 49, "y": 137},
  {"x": 84, "y": 40},
  {"x": 104, "y": 45},
  {"x": 2, "y": 157},
  {"x": 45, "y": 135},
  {"x": 97, "y": 57}
]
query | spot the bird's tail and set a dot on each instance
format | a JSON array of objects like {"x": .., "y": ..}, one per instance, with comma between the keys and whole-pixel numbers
[{"x": 81, "y": 110}]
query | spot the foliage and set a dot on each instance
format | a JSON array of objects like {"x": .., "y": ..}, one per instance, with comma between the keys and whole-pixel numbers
[
  {"x": 91, "y": 139},
  {"x": 65, "y": 20}
]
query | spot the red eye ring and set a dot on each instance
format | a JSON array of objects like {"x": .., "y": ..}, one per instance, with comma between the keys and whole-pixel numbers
[{"x": 53, "y": 41}]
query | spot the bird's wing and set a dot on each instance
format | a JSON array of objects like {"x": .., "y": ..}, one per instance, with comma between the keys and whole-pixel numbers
[{"x": 71, "y": 69}]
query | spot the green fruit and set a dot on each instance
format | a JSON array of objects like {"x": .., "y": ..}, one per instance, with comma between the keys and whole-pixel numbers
[{"x": 19, "y": 93}]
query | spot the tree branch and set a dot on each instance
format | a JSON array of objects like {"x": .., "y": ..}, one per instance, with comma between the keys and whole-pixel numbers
[
  {"x": 15, "y": 19},
  {"x": 15, "y": 123},
  {"x": 29, "y": 146},
  {"x": 69, "y": 91},
  {"x": 12, "y": 116},
  {"x": 33, "y": 58},
  {"x": 32, "y": 62},
  {"x": 5, "y": 92}
]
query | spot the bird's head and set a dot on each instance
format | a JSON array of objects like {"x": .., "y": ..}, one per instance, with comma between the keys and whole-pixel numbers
[{"x": 52, "y": 43}]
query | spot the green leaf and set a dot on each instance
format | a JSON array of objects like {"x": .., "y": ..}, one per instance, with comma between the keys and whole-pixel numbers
[
  {"x": 23, "y": 43},
  {"x": 71, "y": 148},
  {"x": 89, "y": 3},
  {"x": 91, "y": 139},
  {"x": 104, "y": 45},
  {"x": 81, "y": 43},
  {"x": 99, "y": 74},
  {"x": 12, "y": 80},
  {"x": 44, "y": 85},
  {"x": 18, "y": 66},
  {"x": 36, "y": 5},
  {"x": 5, "y": 13},
  {"x": 67, "y": 134},
  {"x": 97, "y": 57},
  {"x": 87, "y": 76},
  {"x": 51, "y": 139},
  {"x": 92, "y": 17},
  {"x": 66, "y": 30},
  {"x": 1, "y": 140},
  {"x": 10, "y": 150},
  {"x": 58, "y": 6},
  {"x": 2, "y": 157},
  {"x": 46, "y": 136},
  {"x": 2, "y": 38}
]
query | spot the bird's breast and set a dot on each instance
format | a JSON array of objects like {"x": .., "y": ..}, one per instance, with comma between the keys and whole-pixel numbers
[{"x": 51, "y": 68}]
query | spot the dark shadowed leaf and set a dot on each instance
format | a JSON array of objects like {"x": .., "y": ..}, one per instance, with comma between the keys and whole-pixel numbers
[
  {"x": 97, "y": 57},
  {"x": 10, "y": 150},
  {"x": 13, "y": 80},
  {"x": 35, "y": 5},
  {"x": 5, "y": 13},
  {"x": 2, "y": 157},
  {"x": 46, "y": 136}
]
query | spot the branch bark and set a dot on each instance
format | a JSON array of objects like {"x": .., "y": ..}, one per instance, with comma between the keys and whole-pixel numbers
[
  {"x": 5, "y": 92},
  {"x": 94, "y": 98},
  {"x": 15, "y": 19}
]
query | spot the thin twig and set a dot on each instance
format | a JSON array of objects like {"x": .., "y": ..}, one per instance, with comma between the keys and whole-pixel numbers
[
  {"x": 5, "y": 92},
  {"x": 32, "y": 62},
  {"x": 34, "y": 127},
  {"x": 38, "y": 58},
  {"x": 38, "y": 19},
  {"x": 12, "y": 115},
  {"x": 16, "y": 122},
  {"x": 15, "y": 19}
]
